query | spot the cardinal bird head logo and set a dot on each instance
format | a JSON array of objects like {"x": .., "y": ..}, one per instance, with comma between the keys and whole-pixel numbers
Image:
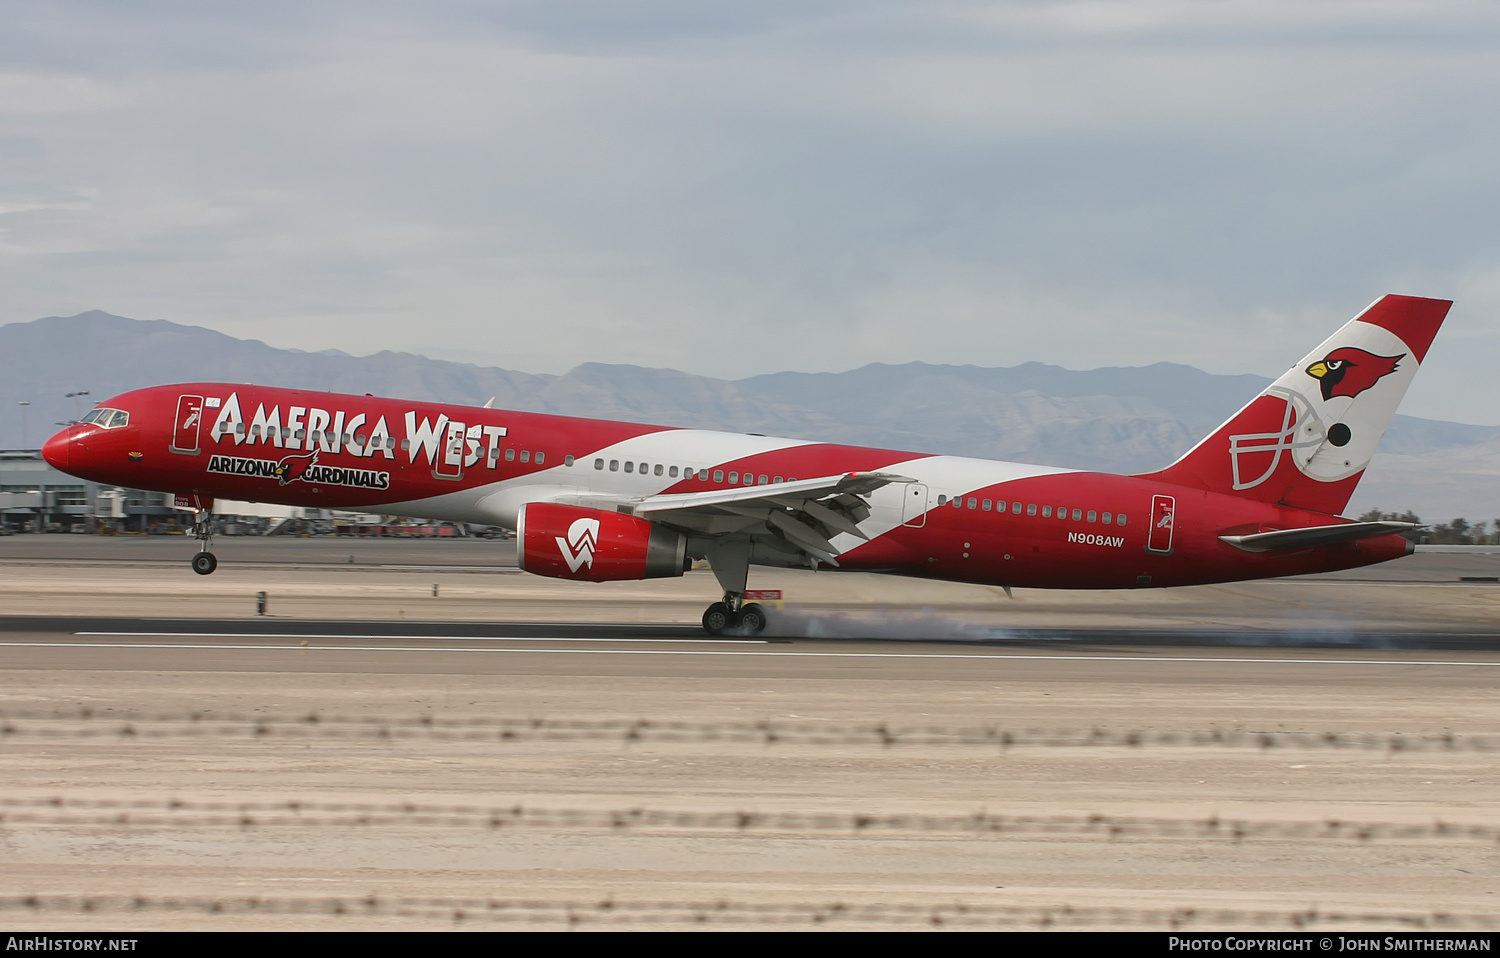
[
  {"x": 293, "y": 468},
  {"x": 1349, "y": 371}
]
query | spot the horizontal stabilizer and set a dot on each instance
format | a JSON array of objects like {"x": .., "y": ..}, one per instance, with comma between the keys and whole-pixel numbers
[{"x": 1316, "y": 535}]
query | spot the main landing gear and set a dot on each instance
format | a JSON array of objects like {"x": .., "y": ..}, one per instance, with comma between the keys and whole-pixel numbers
[
  {"x": 734, "y": 616},
  {"x": 730, "y": 560},
  {"x": 204, "y": 562}
]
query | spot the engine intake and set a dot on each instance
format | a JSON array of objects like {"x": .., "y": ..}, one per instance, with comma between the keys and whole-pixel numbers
[{"x": 570, "y": 542}]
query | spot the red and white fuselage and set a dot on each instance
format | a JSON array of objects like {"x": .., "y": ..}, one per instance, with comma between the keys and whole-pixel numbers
[{"x": 1285, "y": 464}]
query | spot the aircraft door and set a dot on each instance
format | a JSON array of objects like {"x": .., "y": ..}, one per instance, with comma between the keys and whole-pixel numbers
[
  {"x": 1163, "y": 518},
  {"x": 450, "y": 459},
  {"x": 185, "y": 427},
  {"x": 914, "y": 506}
]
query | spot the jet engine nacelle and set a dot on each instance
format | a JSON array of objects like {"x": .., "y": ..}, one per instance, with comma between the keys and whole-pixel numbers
[{"x": 570, "y": 542}]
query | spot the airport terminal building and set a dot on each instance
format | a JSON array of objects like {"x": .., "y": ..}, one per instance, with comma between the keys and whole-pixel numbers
[{"x": 35, "y": 497}]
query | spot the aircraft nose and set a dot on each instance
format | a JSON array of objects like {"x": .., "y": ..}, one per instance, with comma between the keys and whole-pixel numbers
[{"x": 55, "y": 450}]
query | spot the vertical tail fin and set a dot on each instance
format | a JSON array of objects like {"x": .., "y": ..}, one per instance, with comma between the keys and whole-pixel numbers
[{"x": 1307, "y": 439}]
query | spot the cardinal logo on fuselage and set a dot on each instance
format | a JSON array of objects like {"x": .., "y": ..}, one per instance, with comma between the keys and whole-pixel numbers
[
  {"x": 293, "y": 468},
  {"x": 300, "y": 469}
]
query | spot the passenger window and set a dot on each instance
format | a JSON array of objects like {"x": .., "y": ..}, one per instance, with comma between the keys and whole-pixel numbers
[
  {"x": 985, "y": 505},
  {"x": 703, "y": 475},
  {"x": 658, "y": 470},
  {"x": 614, "y": 465},
  {"x": 763, "y": 480},
  {"x": 525, "y": 455},
  {"x": 405, "y": 445},
  {"x": 598, "y": 463},
  {"x": 1031, "y": 509},
  {"x": 734, "y": 477},
  {"x": 1077, "y": 514},
  {"x": 254, "y": 432},
  {"x": 1093, "y": 516},
  {"x": 1046, "y": 512},
  {"x": 510, "y": 455},
  {"x": 629, "y": 466},
  {"x": 1015, "y": 507},
  {"x": 540, "y": 458},
  {"x": 1120, "y": 519},
  {"x": 719, "y": 475},
  {"x": 973, "y": 502},
  {"x": 1105, "y": 518},
  {"x": 672, "y": 473},
  {"x": 942, "y": 500},
  {"x": 958, "y": 502},
  {"x": 778, "y": 479},
  {"x": 568, "y": 460}
]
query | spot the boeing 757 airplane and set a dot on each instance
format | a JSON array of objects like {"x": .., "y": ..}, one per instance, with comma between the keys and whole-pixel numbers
[{"x": 595, "y": 500}]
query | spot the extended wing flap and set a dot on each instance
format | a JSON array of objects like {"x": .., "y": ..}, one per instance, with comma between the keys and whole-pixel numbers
[
  {"x": 803, "y": 516},
  {"x": 1310, "y": 536},
  {"x": 857, "y": 483}
]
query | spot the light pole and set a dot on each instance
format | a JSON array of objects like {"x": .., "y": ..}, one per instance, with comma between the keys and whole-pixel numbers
[
  {"x": 77, "y": 415},
  {"x": 23, "y": 404}
]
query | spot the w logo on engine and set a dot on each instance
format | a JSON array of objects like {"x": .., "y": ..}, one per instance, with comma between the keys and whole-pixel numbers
[{"x": 581, "y": 543}]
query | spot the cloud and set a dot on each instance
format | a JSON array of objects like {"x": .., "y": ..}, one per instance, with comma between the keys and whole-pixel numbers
[{"x": 741, "y": 188}]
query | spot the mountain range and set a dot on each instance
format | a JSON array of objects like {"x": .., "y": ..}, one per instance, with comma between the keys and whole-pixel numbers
[{"x": 1117, "y": 419}]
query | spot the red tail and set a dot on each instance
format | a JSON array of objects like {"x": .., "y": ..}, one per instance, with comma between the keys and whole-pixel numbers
[{"x": 1307, "y": 439}]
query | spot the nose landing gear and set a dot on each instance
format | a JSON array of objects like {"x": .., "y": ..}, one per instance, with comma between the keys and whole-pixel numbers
[{"x": 204, "y": 562}]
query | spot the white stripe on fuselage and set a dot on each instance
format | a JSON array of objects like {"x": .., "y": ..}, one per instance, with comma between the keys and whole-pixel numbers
[
  {"x": 950, "y": 476},
  {"x": 497, "y": 502}
]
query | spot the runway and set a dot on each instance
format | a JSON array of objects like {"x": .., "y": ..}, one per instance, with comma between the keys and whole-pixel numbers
[
  {"x": 505, "y": 648},
  {"x": 509, "y": 753}
]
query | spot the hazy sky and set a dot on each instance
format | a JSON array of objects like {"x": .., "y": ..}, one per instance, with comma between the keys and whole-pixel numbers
[{"x": 751, "y": 186}]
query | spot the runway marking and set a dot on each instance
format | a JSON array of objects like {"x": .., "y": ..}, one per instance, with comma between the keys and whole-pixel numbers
[
  {"x": 445, "y": 638},
  {"x": 767, "y": 652}
]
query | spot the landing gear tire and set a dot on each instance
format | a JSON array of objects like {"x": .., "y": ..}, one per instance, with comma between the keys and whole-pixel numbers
[
  {"x": 717, "y": 619},
  {"x": 751, "y": 620},
  {"x": 204, "y": 563}
]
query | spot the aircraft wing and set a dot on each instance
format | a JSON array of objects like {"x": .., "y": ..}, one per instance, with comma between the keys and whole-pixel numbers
[
  {"x": 1316, "y": 535},
  {"x": 797, "y": 518}
]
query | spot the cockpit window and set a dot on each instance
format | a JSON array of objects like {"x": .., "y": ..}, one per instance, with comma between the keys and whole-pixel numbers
[{"x": 107, "y": 418}]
